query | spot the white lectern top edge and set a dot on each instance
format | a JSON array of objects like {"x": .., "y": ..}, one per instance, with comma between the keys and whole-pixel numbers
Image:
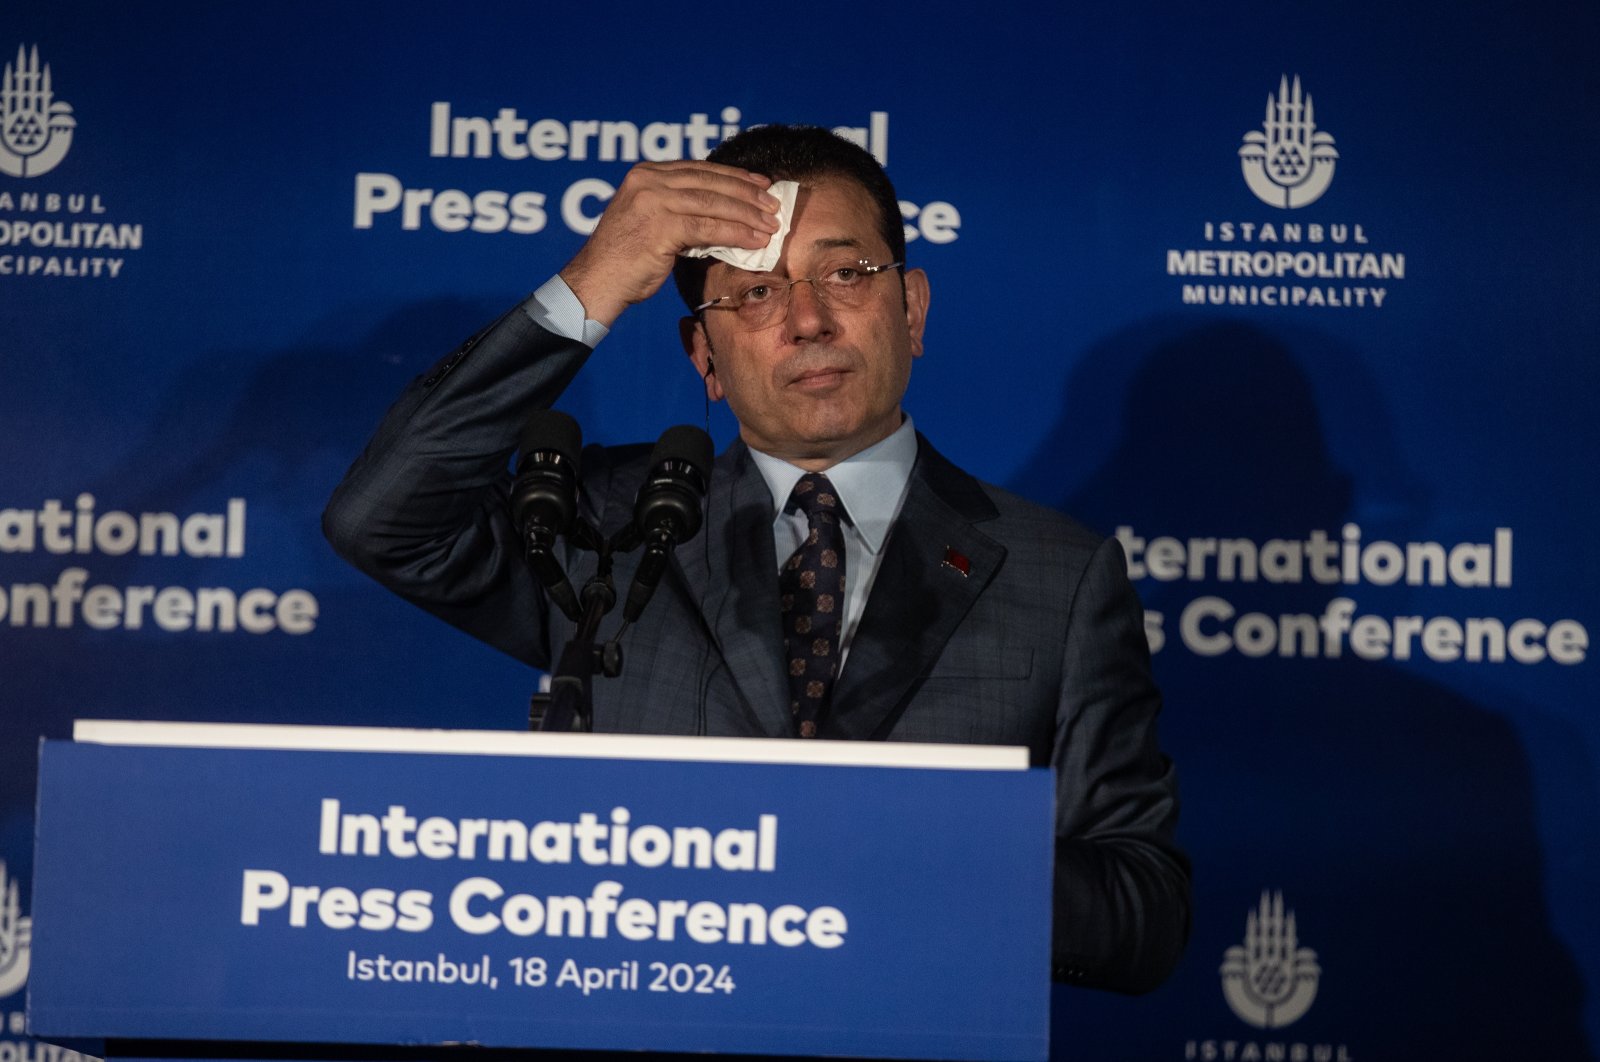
[{"x": 518, "y": 743}]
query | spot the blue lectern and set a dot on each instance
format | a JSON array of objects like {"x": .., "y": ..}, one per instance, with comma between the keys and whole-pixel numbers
[{"x": 263, "y": 887}]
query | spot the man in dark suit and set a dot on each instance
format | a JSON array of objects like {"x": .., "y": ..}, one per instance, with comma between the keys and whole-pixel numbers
[{"x": 913, "y": 603}]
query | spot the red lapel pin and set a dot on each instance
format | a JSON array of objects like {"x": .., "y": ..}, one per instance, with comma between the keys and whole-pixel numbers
[{"x": 954, "y": 558}]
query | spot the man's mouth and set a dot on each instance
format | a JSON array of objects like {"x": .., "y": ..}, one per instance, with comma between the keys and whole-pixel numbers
[{"x": 819, "y": 378}]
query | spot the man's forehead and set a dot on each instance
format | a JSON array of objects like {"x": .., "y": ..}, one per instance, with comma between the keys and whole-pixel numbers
[{"x": 803, "y": 252}]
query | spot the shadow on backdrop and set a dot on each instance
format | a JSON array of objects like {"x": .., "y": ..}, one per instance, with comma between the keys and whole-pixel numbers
[
  {"x": 1395, "y": 816},
  {"x": 277, "y": 428}
]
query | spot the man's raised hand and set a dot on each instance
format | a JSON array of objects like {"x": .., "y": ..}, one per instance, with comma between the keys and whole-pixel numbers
[{"x": 661, "y": 209}]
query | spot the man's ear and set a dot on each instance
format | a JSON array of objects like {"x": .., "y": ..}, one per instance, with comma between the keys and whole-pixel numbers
[
  {"x": 696, "y": 344},
  {"x": 917, "y": 296}
]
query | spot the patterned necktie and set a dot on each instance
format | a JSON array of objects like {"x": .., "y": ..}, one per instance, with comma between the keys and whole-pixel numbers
[{"x": 811, "y": 591}]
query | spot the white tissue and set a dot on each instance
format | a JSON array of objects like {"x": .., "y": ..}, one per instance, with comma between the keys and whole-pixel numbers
[{"x": 764, "y": 259}]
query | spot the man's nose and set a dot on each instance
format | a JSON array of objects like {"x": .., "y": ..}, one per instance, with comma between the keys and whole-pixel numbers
[{"x": 809, "y": 317}]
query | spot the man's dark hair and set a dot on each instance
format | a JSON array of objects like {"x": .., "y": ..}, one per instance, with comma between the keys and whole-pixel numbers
[{"x": 797, "y": 153}]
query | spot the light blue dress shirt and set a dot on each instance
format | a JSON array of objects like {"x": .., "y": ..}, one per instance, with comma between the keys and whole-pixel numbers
[{"x": 556, "y": 308}]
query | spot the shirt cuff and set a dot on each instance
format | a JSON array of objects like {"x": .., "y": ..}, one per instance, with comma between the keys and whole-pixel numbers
[{"x": 556, "y": 308}]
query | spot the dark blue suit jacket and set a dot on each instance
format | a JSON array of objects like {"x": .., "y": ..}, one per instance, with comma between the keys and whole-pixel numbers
[{"x": 1040, "y": 643}]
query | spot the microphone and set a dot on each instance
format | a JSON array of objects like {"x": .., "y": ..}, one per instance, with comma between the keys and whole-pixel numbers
[
  {"x": 544, "y": 499},
  {"x": 667, "y": 511}
]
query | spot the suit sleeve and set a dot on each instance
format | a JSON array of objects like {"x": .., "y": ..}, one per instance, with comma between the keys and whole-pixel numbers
[
  {"x": 1122, "y": 902},
  {"x": 424, "y": 508}
]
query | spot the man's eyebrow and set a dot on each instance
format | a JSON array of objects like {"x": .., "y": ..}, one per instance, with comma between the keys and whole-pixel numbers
[{"x": 829, "y": 242}]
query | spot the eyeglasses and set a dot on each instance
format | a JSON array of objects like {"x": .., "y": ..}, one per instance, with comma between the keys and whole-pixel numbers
[{"x": 763, "y": 299}]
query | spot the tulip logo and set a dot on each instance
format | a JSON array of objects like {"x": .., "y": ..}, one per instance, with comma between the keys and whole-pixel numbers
[
  {"x": 16, "y": 937},
  {"x": 35, "y": 127},
  {"x": 1289, "y": 162},
  {"x": 1270, "y": 981}
]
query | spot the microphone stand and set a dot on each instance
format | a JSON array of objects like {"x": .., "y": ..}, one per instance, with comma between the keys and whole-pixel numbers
[
  {"x": 667, "y": 510},
  {"x": 569, "y": 706}
]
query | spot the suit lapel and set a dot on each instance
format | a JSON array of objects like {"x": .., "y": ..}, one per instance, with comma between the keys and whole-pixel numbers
[
  {"x": 917, "y": 600},
  {"x": 741, "y": 610}
]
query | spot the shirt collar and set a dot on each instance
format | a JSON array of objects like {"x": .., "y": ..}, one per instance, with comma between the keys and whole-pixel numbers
[{"x": 870, "y": 484}]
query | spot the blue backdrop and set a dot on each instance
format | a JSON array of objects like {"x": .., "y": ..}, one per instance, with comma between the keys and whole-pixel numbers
[{"x": 1301, "y": 298}]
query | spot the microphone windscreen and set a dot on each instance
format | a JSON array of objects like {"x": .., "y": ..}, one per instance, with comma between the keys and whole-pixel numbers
[
  {"x": 685, "y": 443},
  {"x": 552, "y": 430}
]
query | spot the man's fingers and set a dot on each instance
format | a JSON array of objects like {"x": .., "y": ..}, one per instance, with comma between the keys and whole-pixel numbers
[
  {"x": 731, "y": 200},
  {"x": 739, "y": 184},
  {"x": 703, "y": 203},
  {"x": 714, "y": 232},
  {"x": 714, "y": 169},
  {"x": 713, "y": 199},
  {"x": 672, "y": 219}
]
